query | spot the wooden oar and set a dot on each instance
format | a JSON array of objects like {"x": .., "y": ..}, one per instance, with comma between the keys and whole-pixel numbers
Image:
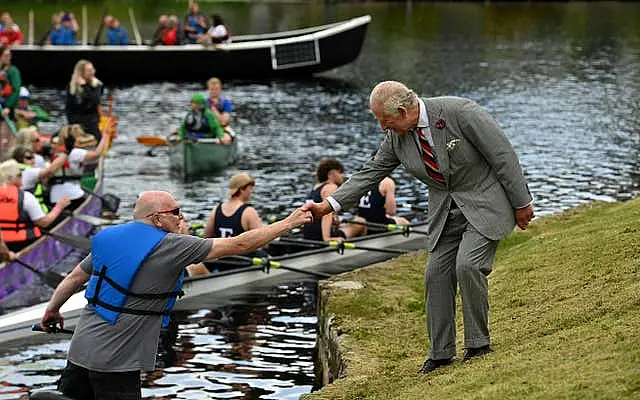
[
  {"x": 340, "y": 246},
  {"x": 49, "y": 278},
  {"x": 153, "y": 141},
  {"x": 109, "y": 201}
]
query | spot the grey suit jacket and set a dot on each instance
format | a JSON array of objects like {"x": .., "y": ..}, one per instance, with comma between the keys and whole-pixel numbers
[{"x": 481, "y": 169}]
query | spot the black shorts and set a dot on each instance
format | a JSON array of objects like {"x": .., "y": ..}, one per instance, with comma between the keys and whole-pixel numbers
[
  {"x": 335, "y": 232},
  {"x": 82, "y": 384}
]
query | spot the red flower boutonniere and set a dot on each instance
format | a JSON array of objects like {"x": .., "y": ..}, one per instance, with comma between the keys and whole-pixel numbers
[{"x": 440, "y": 124}]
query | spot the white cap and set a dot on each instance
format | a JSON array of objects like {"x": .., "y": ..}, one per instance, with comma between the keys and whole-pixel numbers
[{"x": 24, "y": 93}]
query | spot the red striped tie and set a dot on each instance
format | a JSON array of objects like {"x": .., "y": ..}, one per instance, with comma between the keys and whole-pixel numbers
[{"x": 429, "y": 158}]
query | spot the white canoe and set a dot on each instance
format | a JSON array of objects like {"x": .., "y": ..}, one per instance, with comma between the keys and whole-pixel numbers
[{"x": 218, "y": 288}]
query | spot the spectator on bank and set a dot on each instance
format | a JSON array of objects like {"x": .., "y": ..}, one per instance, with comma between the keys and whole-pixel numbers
[
  {"x": 116, "y": 34},
  {"x": 10, "y": 33},
  {"x": 171, "y": 37},
  {"x": 64, "y": 33},
  {"x": 217, "y": 33},
  {"x": 195, "y": 24}
]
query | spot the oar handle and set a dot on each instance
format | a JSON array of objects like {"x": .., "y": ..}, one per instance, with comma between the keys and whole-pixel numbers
[{"x": 50, "y": 329}]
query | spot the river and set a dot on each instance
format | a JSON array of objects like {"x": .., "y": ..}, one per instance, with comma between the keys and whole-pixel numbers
[{"x": 563, "y": 80}]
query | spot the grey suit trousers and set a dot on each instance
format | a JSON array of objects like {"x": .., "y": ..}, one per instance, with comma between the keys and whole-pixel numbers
[{"x": 461, "y": 256}]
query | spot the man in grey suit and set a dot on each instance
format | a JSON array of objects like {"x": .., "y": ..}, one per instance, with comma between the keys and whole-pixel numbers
[{"x": 477, "y": 194}]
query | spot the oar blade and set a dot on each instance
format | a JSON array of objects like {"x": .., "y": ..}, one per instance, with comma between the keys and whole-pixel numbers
[
  {"x": 153, "y": 141},
  {"x": 111, "y": 202},
  {"x": 51, "y": 279},
  {"x": 75, "y": 241}
]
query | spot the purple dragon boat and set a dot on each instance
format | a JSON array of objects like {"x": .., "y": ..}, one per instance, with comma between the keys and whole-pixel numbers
[{"x": 48, "y": 251}]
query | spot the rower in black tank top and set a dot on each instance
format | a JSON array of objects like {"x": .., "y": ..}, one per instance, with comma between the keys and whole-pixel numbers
[
  {"x": 228, "y": 226},
  {"x": 313, "y": 231},
  {"x": 371, "y": 208}
]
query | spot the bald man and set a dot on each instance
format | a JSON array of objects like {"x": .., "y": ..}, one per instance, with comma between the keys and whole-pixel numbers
[
  {"x": 134, "y": 274},
  {"x": 477, "y": 194}
]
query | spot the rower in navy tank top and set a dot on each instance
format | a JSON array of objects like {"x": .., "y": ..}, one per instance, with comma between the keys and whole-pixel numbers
[
  {"x": 235, "y": 215},
  {"x": 225, "y": 226},
  {"x": 379, "y": 205},
  {"x": 329, "y": 175}
]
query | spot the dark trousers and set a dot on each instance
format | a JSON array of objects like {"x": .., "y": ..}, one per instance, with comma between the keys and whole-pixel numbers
[{"x": 83, "y": 384}]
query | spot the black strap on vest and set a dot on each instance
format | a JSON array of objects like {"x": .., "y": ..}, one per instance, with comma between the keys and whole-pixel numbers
[{"x": 102, "y": 277}]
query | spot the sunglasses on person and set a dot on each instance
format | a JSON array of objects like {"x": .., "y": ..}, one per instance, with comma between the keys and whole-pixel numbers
[
  {"x": 173, "y": 211},
  {"x": 28, "y": 156}
]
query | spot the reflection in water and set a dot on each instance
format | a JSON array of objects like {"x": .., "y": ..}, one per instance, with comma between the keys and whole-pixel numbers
[{"x": 562, "y": 79}]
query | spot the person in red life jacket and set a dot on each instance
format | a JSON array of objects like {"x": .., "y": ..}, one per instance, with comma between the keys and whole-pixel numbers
[
  {"x": 330, "y": 175},
  {"x": 66, "y": 180},
  {"x": 11, "y": 34},
  {"x": 234, "y": 216},
  {"x": 171, "y": 36},
  {"x": 20, "y": 212},
  {"x": 134, "y": 274},
  {"x": 83, "y": 98}
]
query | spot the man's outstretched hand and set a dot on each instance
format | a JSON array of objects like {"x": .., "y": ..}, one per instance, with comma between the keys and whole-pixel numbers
[{"x": 318, "y": 210}]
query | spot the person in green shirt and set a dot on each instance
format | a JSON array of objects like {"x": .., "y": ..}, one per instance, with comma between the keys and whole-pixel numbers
[
  {"x": 200, "y": 122},
  {"x": 26, "y": 114},
  {"x": 10, "y": 81}
]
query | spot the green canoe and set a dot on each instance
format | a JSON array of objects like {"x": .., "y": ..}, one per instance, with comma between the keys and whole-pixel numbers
[{"x": 195, "y": 157}]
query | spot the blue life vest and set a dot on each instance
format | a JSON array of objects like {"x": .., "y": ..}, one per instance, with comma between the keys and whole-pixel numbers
[
  {"x": 117, "y": 253},
  {"x": 63, "y": 36}
]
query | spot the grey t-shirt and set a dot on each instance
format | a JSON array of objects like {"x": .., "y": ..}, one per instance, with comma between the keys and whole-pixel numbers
[{"x": 131, "y": 343}]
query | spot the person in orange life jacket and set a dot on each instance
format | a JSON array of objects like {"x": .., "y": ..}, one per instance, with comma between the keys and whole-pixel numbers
[
  {"x": 34, "y": 178},
  {"x": 83, "y": 98},
  {"x": 200, "y": 122},
  {"x": 234, "y": 216},
  {"x": 117, "y": 333},
  {"x": 29, "y": 138},
  {"x": 330, "y": 175},
  {"x": 66, "y": 181},
  {"x": 20, "y": 212}
]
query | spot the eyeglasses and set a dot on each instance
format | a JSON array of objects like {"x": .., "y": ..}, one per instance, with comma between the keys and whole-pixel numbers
[
  {"x": 174, "y": 211},
  {"x": 28, "y": 157}
]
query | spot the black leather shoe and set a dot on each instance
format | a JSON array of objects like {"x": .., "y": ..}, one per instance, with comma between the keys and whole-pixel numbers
[
  {"x": 431, "y": 365},
  {"x": 476, "y": 352}
]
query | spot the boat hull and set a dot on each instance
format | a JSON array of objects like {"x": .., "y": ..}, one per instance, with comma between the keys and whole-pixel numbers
[
  {"x": 259, "y": 57},
  {"x": 47, "y": 251},
  {"x": 220, "y": 288},
  {"x": 191, "y": 158}
]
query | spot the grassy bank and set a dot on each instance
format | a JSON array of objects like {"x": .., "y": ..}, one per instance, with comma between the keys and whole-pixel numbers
[{"x": 565, "y": 318}]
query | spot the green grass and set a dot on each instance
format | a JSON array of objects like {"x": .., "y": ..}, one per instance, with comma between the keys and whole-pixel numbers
[{"x": 564, "y": 319}]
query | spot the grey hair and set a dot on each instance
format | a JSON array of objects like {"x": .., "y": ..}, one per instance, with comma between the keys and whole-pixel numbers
[
  {"x": 9, "y": 170},
  {"x": 393, "y": 95}
]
